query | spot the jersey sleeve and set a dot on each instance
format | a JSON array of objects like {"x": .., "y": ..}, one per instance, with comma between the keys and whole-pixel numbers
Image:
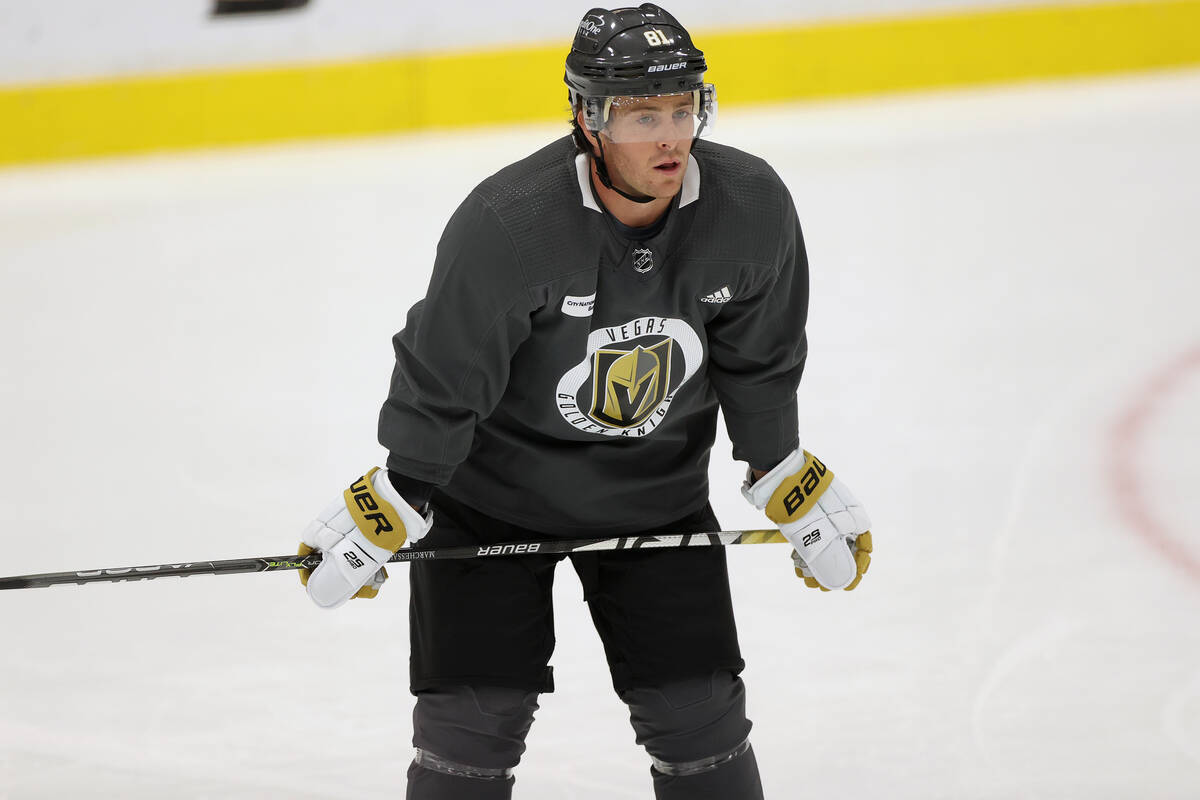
[
  {"x": 454, "y": 353},
  {"x": 757, "y": 349}
]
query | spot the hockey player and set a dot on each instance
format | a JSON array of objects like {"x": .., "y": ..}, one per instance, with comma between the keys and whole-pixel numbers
[{"x": 591, "y": 308}]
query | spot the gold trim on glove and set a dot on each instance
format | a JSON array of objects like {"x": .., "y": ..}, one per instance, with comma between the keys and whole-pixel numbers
[
  {"x": 305, "y": 574},
  {"x": 375, "y": 517},
  {"x": 798, "y": 493}
]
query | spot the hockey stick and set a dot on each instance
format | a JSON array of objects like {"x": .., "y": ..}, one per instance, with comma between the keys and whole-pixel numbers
[{"x": 236, "y": 566}]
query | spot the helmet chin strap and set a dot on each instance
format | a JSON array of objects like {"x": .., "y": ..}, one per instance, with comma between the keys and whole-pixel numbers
[{"x": 602, "y": 173}]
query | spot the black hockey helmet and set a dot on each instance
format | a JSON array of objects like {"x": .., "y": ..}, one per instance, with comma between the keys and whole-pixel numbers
[{"x": 634, "y": 52}]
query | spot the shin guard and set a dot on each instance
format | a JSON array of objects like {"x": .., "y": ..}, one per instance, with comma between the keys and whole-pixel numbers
[
  {"x": 697, "y": 735},
  {"x": 468, "y": 740}
]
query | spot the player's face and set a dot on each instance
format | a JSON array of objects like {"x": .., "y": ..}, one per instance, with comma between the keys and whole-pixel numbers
[{"x": 647, "y": 141}]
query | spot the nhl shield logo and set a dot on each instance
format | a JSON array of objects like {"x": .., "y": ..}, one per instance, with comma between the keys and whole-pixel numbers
[{"x": 643, "y": 260}]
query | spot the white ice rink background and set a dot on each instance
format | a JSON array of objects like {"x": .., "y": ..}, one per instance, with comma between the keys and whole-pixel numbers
[{"x": 1004, "y": 365}]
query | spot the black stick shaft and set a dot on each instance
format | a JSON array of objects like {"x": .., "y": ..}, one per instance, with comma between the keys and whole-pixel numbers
[{"x": 237, "y": 566}]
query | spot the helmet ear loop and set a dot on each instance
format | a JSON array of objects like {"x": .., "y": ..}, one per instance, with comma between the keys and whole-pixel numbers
[
  {"x": 700, "y": 110},
  {"x": 598, "y": 117},
  {"x": 696, "y": 113}
]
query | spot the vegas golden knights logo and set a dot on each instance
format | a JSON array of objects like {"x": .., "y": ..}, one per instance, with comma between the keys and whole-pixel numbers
[
  {"x": 629, "y": 376},
  {"x": 630, "y": 385}
]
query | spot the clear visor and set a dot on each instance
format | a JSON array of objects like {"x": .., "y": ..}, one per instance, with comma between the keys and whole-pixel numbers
[{"x": 656, "y": 118}]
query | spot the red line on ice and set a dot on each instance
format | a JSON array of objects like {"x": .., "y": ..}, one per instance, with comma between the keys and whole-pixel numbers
[{"x": 1123, "y": 473}]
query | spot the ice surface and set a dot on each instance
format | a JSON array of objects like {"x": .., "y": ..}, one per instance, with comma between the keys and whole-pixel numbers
[{"x": 1003, "y": 366}]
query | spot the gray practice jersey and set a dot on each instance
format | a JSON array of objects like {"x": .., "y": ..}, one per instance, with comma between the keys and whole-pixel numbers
[{"x": 564, "y": 377}]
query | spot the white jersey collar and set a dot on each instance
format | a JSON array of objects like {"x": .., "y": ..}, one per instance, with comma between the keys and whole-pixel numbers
[
  {"x": 584, "y": 171},
  {"x": 690, "y": 192}
]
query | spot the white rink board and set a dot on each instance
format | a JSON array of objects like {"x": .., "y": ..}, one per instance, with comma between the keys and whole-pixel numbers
[
  {"x": 54, "y": 40},
  {"x": 194, "y": 350}
]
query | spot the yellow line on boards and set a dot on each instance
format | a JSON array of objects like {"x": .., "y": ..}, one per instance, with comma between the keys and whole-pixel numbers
[
  {"x": 410, "y": 92},
  {"x": 866, "y": 57}
]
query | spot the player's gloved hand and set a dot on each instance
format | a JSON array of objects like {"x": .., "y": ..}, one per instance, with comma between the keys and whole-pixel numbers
[
  {"x": 356, "y": 535},
  {"x": 827, "y": 527}
]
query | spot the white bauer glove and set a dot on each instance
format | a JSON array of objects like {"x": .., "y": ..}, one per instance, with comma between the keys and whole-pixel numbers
[
  {"x": 356, "y": 535},
  {"x": 824, "y": 522}
]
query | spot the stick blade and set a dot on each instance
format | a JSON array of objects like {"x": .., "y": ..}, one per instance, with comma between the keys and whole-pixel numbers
[{"x": 16, "y": 583}]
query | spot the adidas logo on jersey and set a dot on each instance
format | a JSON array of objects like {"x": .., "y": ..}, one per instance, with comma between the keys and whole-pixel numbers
[{"x": 721, "y": 295}]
